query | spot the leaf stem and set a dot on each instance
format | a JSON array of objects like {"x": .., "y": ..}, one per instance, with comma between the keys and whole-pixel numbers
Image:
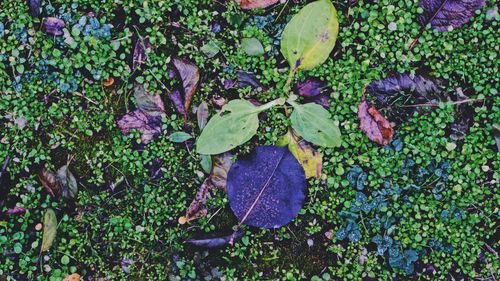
[{"x": 438, "y": 104}]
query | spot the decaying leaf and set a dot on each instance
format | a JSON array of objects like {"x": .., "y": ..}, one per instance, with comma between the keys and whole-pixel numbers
[
  {"x": 197, "y": 207},
  {"x": 217, "y": 178},
  {"x": 149, "y": 126},
  {"x": 53, "y": 26},
  {"x": 49, "y": 229},
  {"x": 16, "y": 210},
  {"x": 141, "y": 49},
  {"x": 446, "y": 14},
  {"x": 464, "y": 117},
  {"x": 190, "y": 76},
  {"x": 252, "y": 46},
  {"x": 310, "y": 160},
  {"x": 216, "y": 242},
  {"x": 309, "y": 88},
  {"x": 176, "y": 97},
  {"x": 146, "y": 118},
  {"x": 34, "y": 7},
  {"x": 310, "y": 36},
  {"x": 255, "y": 4},
  {"x": 373, "y": 124},
  {"x": 69, "y": 187},
  {"x": 267, "y": 188},
  {"x": 220, "y": 168},
  {"x": 49, "y": 182},
  {"x": 312, "y": 122},
  {"x": 202, "y": 114}
]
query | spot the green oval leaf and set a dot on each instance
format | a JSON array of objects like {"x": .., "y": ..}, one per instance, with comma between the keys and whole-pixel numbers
[
  {"x": 234, "y": 125},
  {"x": 179, "y": 137},
  {"x": 312, "y": 122},
  {"x": 49, "y": 229},
  {"x": 310, "y": 36}
]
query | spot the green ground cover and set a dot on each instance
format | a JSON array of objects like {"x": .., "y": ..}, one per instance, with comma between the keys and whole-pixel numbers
[{"x": 440, "y": 213}]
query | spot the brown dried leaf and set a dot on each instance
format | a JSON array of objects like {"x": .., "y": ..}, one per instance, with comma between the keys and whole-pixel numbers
[
  {"x": 197, "y": 208},
  {"x": 190, "y": 75},
  {"x": 373, "y": 124},
  {"x": 149, "y": 126},
  {"x": 221, "y": 165},
  {"x": 50, "y": 182},
  {"x": 255, "y": 4},
  {"x": 141, "y": 49}
]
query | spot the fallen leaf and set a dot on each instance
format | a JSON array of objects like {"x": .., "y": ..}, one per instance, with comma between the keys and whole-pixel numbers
[
  {"x": 176, "y": 97},
  {"x": 221, "y": 165},
  {"x": 49, "y": 182},
  {"x": 197, "y": 207},
  {"x": 149, "y": 126},
  {"x": 309, "y": 88},
  {"x": 255, "y": 4},
  {"x": 108, "y": 82},
  {"x": 446, "y": 14},
  {"x": 16, "y": 211},
  {"x": 69, "y": 186},
  {"x": 49, "y": 229},
  {"x": 373, "y": 124},
  {"x": 206, "y": 163},
  {"x": 72, "y": 277},
  {"x": 310, "y": 35},
  {"x": 267, "y": 188},
  {"x": 53, "y": 26},
  {"x": 141, "y": 49},
  {"x": 202, "y": 114},
  {"x": 210, "y": 49},
  {"x": 179, "y": 137},
  {"x": 146, "y": 118},
  {"x": 310, "y": 160},
  {"x": 247, "y": 79},
  {"x": 252, "y": 46},
  {"x": 216, "y": 242},
  {"x": 190, "y": 76},
  {"x": 34, "y": 7}
]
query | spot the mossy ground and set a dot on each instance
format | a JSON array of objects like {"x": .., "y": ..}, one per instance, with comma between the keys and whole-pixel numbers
[{"x": 137, "y": 221}]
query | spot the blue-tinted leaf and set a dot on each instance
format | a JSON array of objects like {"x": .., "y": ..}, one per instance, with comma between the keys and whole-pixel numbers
[
  {"x": 34, "y": 7},
  {"x": 444, "y": 15},
  {"x": 357, "y": 177},
  {"x": 267, "y": 188}
]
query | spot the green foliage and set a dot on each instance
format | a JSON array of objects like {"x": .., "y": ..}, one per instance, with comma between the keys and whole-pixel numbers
[{"x": 310, "y": 36}]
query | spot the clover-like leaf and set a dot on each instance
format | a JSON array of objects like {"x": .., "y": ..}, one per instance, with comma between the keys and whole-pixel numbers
[
  {"x": 234, "y": 125},
  {"x": 49, "y": 229},
  {"x": 310, "y": 36},
  {"x": 267, "y": 188},
  {"x": 312, "y": 122}
]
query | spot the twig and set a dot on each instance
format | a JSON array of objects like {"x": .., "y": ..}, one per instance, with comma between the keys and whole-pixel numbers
[
  {"x": 5, "y": 165},
  {"x": 438, "y": 104}
]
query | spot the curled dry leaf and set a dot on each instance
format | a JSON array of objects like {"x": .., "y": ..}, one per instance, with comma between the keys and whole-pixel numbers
[
  {"x": 267, "y": 188},
  {"x": 310, "y": 160},
  {"x": 190, "y": 76},
  {"x": 34, "y": 7},
  {"x": 53, "y": 26},
  {"x": 373, "y": 124},
  {"x": 216, "y": 242},
  {"x": 49, "y": 229},
  {"x": 255, "y": 4},
  {"x": 49, "y": 182},
  {"x": 141, "y": 49},
  {"x": 446, "y": 14}
]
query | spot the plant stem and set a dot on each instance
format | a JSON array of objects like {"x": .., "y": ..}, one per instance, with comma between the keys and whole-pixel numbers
[{"x": 438, "y": 104}]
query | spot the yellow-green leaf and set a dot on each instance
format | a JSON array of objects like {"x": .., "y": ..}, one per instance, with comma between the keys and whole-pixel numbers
[
  {"x": 307, "y": 156},
  {"x": 49, "y": 229},
  {"x": 310, "y": 36}
]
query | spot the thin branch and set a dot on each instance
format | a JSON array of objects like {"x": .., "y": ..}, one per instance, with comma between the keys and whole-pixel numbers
[{"x": 438, "y": 104}]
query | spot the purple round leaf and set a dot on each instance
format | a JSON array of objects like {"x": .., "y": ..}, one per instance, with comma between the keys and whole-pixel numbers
[{"x": 267, "y": 188}]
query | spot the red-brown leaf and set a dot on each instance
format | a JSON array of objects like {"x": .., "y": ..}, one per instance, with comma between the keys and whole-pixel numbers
[
  {"x": 373, "y": 124},
  {"x": 255, "y": 4},
  {"x": 190, "y": 76}
]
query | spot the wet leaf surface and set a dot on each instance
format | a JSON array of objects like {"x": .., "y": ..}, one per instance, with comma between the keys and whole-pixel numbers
[
  {"x": 190, "y": 76},
  {"x": 446, "y": 14},
  {"x": 373, "y": 124},
  {"x": 267, "y": 188}
]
